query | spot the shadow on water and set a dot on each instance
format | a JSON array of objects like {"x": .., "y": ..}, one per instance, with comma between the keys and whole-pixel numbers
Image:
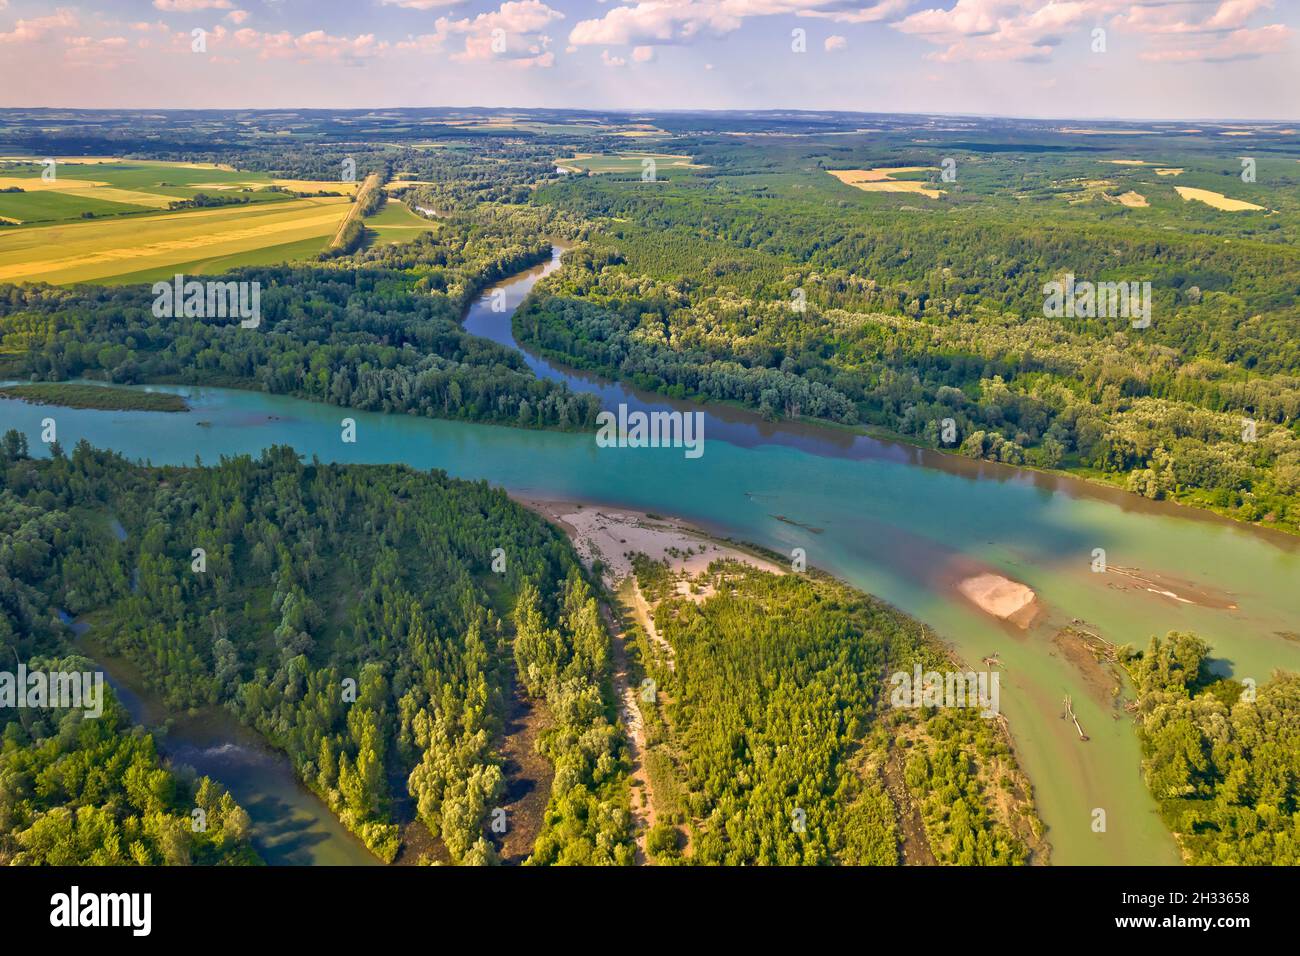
[{"x": 290, "y": 824}]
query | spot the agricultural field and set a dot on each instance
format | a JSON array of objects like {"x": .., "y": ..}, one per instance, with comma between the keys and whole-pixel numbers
[
  {"x": 395, "y": 222},
  {"x": 103, "y": 186},
  {"x": 885, "y": 181},
  {"x": 623, "y": 162},
  {"x": 198, "y": 241},
  {"x": 108, "y": 219}
]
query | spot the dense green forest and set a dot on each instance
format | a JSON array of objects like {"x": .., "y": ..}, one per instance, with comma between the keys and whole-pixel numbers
[
  {"x": 772, "y": 739},
  {"x": 1221, "y": 757},
  {"x": 361, "y": 618}
]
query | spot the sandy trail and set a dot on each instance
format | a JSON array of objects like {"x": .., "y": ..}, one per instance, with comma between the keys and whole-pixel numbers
[{"x": 611, "y": 536}]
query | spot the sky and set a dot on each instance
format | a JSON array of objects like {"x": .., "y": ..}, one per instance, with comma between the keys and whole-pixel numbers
[{"x": 1087, "y": 59}]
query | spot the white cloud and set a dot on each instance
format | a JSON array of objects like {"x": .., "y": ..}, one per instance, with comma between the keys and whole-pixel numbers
[
  {"x": 510, "y": 33},
  {"x": 986, "y": 30},
  {"x": 191, "y": 6},
  {"x": 101, "y": 52},
  {"x": 833, "y": 43},
  {"x": 655, "y": 22},
  {"x": 421, "y": 4},
  {"x": 680, "y": 22},
  {"x": 37, "y": 28},
  {"x": 1244, "y": 44},
  {"x": 313, "y": 45}
]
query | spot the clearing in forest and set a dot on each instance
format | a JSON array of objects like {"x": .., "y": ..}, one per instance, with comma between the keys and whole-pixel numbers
[
  {"x": 1217, "y": 200},
  {"x": 882, "y": 181}
]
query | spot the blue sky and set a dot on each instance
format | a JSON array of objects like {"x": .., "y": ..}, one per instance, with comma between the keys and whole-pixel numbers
[{"x": 1153, "y": 59}]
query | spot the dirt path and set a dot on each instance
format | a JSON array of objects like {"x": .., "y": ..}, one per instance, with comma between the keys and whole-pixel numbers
[
  {"x": 528, "y": 776},
  {"x": 644, "y": 617},
  {"x": 642, "y": 792},
  {"x": 916, "y": 847},
  {"x": 368, "y": 186}
]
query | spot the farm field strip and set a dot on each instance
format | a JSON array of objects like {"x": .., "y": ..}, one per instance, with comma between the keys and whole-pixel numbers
[{"x": 85, "y": 251}]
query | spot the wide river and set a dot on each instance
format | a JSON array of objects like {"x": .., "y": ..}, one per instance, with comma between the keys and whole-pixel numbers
[{"x": 902, "y": 523}]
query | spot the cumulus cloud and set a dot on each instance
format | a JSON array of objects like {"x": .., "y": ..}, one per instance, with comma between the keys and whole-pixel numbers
[
  {"x": 191, "y": 6},
  {"x": 851, "y": 12},
  {"x": 421, "y": 4},
  {"x": 37, "y": 28},
  {"x": 1177, "y": 30},
  {"x": 656, "y": 22},
  {"x": 100, "y": 52},
  {"x": 511, "y": 33},
  {"x": 833, "y": 43},
  {"x": 313, "y": 45},
  {"x": 680, "y": 22},
  {"x": 1244, "y": 44}
]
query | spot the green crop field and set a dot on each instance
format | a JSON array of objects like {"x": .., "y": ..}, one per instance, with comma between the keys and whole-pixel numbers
[{"x": 396, "y": 223}]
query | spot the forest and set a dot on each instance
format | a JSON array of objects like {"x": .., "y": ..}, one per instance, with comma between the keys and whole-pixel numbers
[
  {"x": 351, "y": 614},
  {"x": 1221, "y": 756},
  {"x": 772, "y": 739}
]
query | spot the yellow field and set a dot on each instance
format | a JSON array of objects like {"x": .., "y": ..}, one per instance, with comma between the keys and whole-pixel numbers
[
  {"x": 1134, "y": 199},
  {"x": 90, "y": 189},
  {"x": 316, "y": 186},
  {"x": 1174, "y": 171},
  {"x": 880, "y": 181},
  {"x": 1217, "y": 200},
  {"x": 100, "y": 249},
  {"x": 101, "y": 160}
]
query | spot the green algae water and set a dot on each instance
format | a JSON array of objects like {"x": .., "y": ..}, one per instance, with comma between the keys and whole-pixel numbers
[{"x": 899, "y": 522}]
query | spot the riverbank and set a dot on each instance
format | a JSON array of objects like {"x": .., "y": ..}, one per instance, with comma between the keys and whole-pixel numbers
[{"x": 606, "y": 537}]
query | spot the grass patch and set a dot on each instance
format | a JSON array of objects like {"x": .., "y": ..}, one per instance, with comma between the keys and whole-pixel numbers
[{"x": 72, "y": 395}]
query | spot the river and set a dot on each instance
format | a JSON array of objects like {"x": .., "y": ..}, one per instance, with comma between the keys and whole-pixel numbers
[{"x": 903, "y": 523}]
